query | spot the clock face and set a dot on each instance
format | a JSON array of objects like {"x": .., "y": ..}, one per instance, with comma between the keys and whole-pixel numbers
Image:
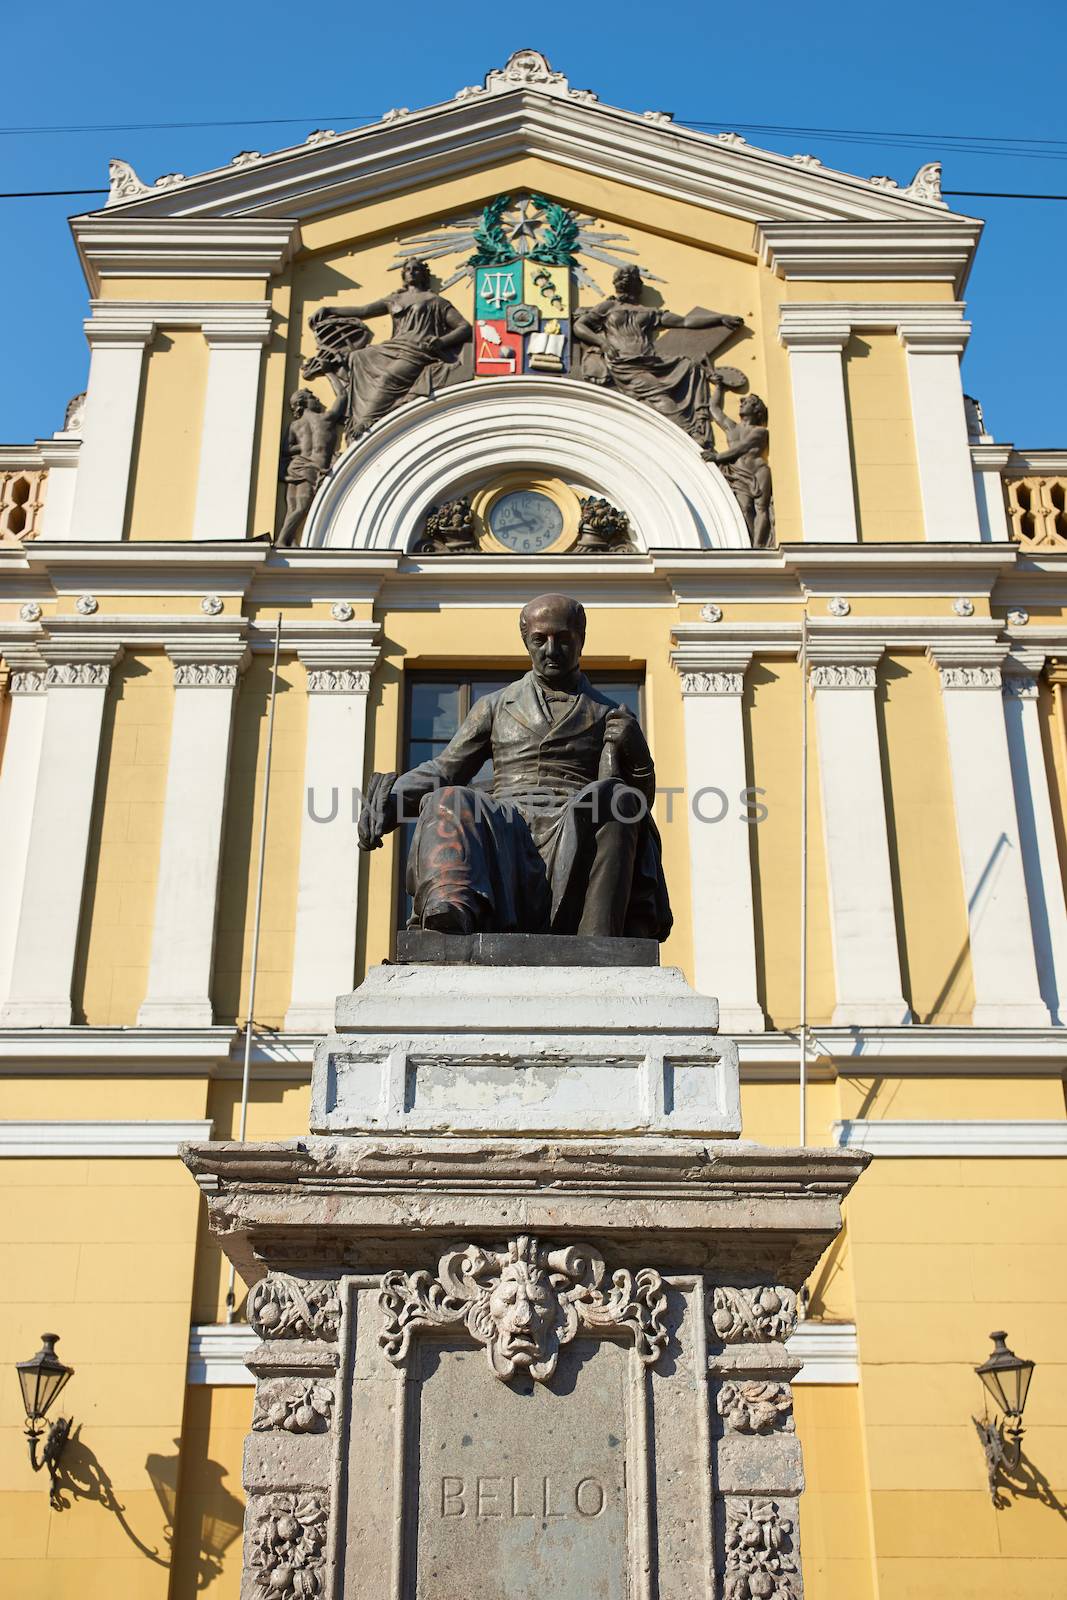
[{"x": 525, "y": 521}]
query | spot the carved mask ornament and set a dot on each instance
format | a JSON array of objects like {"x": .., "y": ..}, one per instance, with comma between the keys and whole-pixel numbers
[{"x": 523, "y": 1302}]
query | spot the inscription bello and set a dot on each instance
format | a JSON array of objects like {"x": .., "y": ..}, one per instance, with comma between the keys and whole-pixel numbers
[{"x": 522, "y": 1497}]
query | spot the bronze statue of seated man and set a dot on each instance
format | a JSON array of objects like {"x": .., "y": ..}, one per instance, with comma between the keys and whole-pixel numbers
[{"x": 564, "y": 841}]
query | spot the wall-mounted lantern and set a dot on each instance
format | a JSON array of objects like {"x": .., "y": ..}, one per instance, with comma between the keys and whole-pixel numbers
[
  {"x": 42, "y": 1378},
  {"x": 1007, "y": 1378}
]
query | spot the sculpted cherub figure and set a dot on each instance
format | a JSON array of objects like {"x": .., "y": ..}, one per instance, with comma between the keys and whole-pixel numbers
[
  {"x": 309, "y": 448},
  {"x": 743, "y": 464}
]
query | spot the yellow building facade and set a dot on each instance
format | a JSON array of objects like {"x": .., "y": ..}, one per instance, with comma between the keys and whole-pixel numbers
[{"x": 907, "y": 626}]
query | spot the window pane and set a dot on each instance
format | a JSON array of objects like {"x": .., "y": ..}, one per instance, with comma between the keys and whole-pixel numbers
[
  {"x": 627, "y": 692},
  {"x": 434, "y": 710}
]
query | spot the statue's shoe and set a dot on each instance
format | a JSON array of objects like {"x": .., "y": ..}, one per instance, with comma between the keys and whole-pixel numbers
[{"x": 443, "y": 917}]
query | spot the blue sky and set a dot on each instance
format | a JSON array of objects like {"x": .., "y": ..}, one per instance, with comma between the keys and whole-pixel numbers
[{"x": 929, "y": 70}]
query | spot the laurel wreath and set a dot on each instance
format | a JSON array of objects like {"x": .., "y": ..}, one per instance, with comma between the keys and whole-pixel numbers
[
  {"x": 560, "y": 241},
  {"x": 493, "y": 249}
]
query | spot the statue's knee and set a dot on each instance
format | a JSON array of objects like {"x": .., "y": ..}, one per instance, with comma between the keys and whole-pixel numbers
[{"x": 628, "y": 806}]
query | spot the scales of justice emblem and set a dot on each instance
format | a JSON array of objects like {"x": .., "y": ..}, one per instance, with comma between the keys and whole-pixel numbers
[{"x": 526, "y": 269}]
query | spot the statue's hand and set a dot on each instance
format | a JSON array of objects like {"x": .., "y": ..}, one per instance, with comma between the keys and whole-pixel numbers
[
  {"x": 733, "y": 322},
  {"x": 623, "y": 732},
  {"x": 378, "y": 816}
]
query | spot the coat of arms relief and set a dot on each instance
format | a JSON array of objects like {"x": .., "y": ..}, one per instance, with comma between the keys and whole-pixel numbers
[{"x": 526, "y": 259}]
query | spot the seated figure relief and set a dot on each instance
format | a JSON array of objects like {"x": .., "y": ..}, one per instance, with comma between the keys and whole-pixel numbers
[{"x": 564, "y": 841}]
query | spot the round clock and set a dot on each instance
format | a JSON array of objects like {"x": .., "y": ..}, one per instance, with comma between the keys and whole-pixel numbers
[{"x": 525, "y": 520}]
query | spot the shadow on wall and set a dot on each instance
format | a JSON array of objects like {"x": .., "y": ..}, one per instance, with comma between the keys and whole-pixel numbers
[
  {"x": 82, "y": 1477},
  {"x": 1027, "y": 1482}
]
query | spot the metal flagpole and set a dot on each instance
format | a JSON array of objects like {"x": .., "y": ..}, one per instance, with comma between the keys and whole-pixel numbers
[
  {"x": 804, "y": 875},
  {"x": 231, "y": 1298}
]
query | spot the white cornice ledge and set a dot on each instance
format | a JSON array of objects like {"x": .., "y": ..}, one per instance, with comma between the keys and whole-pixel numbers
[
  {"x": 149, "y": 247},
  {"x": 218, "y": 1352},
  {"x": 32, "y": 1140},
  {"x": 919, "y": 324},
  {"x": 954, "y": 1138},
  {"x": 927, "y": 250},
  {"x": 828, "y": 1350}
]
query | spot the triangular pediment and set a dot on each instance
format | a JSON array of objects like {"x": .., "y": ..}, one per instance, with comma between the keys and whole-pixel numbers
[{"x": 527, "y": 110}]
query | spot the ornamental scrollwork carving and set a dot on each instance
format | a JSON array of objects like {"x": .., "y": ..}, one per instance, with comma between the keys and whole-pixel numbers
[
  {"x": 296, "y": 1405},
  {"x": 78, "y": 675},
  {"x": 752, "y": 1316},
  {"x": 22, "y": 682},
  {"x": 752, "y": 1405},
  {"x": 338, "y": 680},
  {"x": 969, "y": 677},
  {"x": 846, "y": 676},
  {"x": 284, "y": 1307},
  {"x": 205, "y": 675},
  {"x": 713, "y": 682},
  {"x": 523, "y": 1302},
  {"x": 761, "y": 1556},
  {"x": 287, "y": 1547}
]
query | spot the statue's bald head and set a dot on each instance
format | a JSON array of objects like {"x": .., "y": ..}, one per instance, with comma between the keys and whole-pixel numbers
[
  {"x": 558, "y": 609},
  {"x": 553, "y": 631}
]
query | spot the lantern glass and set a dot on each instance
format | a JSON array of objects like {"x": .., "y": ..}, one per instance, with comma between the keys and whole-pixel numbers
[
  {"x": 1006, "y": 1376},
  {"x": 41, "y": 1378}
]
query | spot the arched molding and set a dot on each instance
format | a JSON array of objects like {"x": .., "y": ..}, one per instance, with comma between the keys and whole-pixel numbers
[{"x": 433, "y": 450}]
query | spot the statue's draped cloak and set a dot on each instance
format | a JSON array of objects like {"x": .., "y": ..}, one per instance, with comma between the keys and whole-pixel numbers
[
  {"x": 672, "y": 384},
  {"x": 383, "y": 375},
  {"x": 516, "y": 855}
]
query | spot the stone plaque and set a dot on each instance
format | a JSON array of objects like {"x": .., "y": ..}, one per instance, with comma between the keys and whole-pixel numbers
[{"x": 519, "y": 1489}]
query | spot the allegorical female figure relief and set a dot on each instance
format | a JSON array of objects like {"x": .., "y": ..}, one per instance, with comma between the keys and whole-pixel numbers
[
  {"x": 621, "y": 334},
  {"x": 427, "y": 332}
]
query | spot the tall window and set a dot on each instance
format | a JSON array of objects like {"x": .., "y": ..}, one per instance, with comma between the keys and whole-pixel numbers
[{"x": 436, "y": 704}]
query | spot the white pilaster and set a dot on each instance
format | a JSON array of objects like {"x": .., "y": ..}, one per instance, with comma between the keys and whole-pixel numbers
[
  {"x": 1037, "y": 832},
  {"x": 1007, "y": 992},
  {"x": 183, "y": 931},
  {"x": 327, "y": 900},
  {"x": 988, "y": 462},
  {"x": 720, "y": 837},
  {"x": 862, "y": 920},
  {"x": 46, "y": 937},
  {"x": 942, "y": 448},
  {"x": 820, "y": 420},
  {"x": 228, "y": 438},
  {"x": 18, "y": 782},
  {"x": 103, "y": 479},
  {"x": 61, "y": 457}
]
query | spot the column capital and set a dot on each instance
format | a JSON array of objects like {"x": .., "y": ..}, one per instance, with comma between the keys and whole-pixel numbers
[
  {"x": 711, "y": 666},
  {"x": 843, "y": 664},
  {"x": 340, "y": 657},
  {"x": 935, "y": 337},
  {"x": 968, "y": 664},
  {"x": 829, "y": 338},
  {"x": 119, "y": 332},
  {"x": 208, "y": 663},
  {"x": 80, "y": 663}
]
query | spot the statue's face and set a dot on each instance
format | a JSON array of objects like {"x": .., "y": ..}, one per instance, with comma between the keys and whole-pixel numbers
[
  {"x": 627, "y": 284},
  {"x": 416, "y": 275},
  {"x": 522, "y": 1307},
  {"x": 553, "y": 641}
]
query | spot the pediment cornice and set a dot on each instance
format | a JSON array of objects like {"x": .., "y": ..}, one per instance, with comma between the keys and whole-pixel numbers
[{"x": 512, "y": 118}]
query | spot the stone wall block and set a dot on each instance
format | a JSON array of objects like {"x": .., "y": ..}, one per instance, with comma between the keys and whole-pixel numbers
[
  {"x": 281, "y": 1460},
  {"x": 759, "y": 1466}
]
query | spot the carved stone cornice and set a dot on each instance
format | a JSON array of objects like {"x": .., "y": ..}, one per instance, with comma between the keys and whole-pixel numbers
[
  {"x": 27, "y": 680},
  {"x": 968, "y": 664},
  {"x": 713, "y": 683},
  {"x": 209, "y": 663},
  {"x": 205, "y": 675},
  {"x": 338, "y": 680},
  {"x": 842, "y": 675}
]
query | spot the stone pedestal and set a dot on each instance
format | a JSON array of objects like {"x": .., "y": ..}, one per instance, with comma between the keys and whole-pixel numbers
[{"x": 543, "y": 1354}]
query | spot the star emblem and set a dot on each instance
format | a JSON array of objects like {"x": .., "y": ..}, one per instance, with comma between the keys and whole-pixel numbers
[{"x": 524, "y": 230}]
